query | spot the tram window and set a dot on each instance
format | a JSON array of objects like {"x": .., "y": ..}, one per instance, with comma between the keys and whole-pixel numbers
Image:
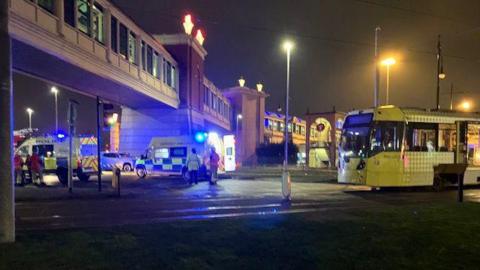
[
  {"x": 447, "y": 137},
  {"x": 386, "y": 137},
  {"x": 422, "y": 137}
]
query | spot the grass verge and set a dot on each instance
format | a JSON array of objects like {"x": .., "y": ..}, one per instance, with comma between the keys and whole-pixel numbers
[{"x": 424, "y": 237}]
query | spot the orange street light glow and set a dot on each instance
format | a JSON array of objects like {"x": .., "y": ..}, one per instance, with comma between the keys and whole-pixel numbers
[
  {"x": 465, "y": 105},
  {"x": 389, "y": 61}
]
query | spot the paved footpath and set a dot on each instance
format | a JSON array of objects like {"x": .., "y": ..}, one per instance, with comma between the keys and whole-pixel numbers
[{"x": 165, "y": 199}]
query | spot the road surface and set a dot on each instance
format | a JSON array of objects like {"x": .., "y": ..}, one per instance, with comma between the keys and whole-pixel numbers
[{"x": 157, "y": 199}]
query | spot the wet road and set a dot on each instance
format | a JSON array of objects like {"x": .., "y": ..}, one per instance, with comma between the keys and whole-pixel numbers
[{"x": 162, "y": 200}]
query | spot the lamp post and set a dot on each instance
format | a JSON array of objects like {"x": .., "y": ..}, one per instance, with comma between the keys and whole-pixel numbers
[
  {"x": 440, "y": 74},
  {"x": 54, "y": 90},
  {"x": 388, "y": 62},
  {"x": 286, "y": 184},
  {"x": 30, "y": 112},
  {"x": 377, "y": 70}
]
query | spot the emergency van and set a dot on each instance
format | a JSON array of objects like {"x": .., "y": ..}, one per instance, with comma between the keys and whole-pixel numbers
[
  {"x": 54, "y": 153},
  {"x": 168, "y": 155}
]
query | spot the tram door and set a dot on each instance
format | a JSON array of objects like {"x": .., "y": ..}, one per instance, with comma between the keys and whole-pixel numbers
[{"x": 462, "y": 142}]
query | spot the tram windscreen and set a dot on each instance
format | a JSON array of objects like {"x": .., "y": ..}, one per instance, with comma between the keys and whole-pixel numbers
[{"x": 356, "y": 134}]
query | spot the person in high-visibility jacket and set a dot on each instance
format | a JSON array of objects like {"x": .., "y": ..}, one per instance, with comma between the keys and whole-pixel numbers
[{"x": 193, "y": 164}]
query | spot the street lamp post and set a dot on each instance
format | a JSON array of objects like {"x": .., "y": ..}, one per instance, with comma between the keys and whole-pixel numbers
[
  {"x": 377, "y": 70},
  {"x": 440, "y": 73},
  {"x": 54, "y": 90},
  {"x": 388, "y": 62},
  {"x": 286, "y": 184},
  {"x": 30, "y": 112}
]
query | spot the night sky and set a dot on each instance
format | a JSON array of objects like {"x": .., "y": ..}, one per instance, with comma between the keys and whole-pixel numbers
[{"x": 332, "y": 64}]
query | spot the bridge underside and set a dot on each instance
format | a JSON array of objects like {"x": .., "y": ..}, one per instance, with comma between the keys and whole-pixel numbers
[{"x": 30, "y": 60}]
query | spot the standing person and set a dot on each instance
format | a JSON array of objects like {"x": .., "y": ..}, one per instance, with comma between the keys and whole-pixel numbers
[
  {"x": 214, "y": 159},
  {"x": 18, "y": 162},
  {"x": 37, "y": 168},
  {"x": 193, "y": 164},
  {"x": 28, "y": 162}
]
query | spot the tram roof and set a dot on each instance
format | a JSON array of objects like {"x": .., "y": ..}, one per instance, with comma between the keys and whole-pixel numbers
[{"x": 409, "y": 114}]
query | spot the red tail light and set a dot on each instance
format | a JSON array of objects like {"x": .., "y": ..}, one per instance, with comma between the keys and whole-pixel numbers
[{"x": 79, "y": 163}]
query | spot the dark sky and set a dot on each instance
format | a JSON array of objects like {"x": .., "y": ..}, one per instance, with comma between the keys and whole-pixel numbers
[{"x": 332, "y": 64}]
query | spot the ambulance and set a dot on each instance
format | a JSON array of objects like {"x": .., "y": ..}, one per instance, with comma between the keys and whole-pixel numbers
[
  {"x": 53, "y": 150},
  {"x": 168, "y": 155}
]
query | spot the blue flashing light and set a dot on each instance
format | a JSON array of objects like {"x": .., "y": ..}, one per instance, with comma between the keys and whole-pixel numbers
[
  {"x": 60, "y": 135},
  {"x": 200, "y": 137}
]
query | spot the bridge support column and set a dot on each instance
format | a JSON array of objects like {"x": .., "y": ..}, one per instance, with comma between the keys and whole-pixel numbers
[
  {"x": 7, "y": 192},
  {"x": 60, "y": 13}
]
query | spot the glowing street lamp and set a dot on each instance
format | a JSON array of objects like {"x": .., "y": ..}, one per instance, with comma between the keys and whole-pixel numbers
[
  {"x": 465, "y": 106},
  {"x": 30, "y": 112},
  {"x": 286, "y": 184},
  {"x": 388, "y": 62},
  {"x": 54, "y": 90},
  {"x": 241, "y": 81},
  {"x": 259, "y": 87},
  {"x": 199, "y": 37},
  {"x": 188, "y": 24}
]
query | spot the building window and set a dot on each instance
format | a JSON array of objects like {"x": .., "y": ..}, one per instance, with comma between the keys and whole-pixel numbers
[
  {"x": 98, "y": 23},
  {"x": 169, "y": 74},
  {"x": 123, "y": 40},
  {"x": 83, "y": 16},
  {"x": 47, "y": 5},
  {"x": 205, "y": 95},
  {"x": 210, "y": 99},
  {"x": 149, "y": 60},
  {"x": 69, "y": 12},
  {"x": 173, "y": 73},
  {"x": 114, "y": 31},
  {"x": 155, "y": 65},
  {"x": 144, "y": 53},
  {"x": 132, "y": 48}
]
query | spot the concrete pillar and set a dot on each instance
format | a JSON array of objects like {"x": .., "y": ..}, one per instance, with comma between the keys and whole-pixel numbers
[
  {"x": 108, "y": 33},
  {"x": 60, "y": 13},
  {"x": 7, "y": 192}
]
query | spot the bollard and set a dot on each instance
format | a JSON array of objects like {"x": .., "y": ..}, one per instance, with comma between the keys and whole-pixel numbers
[
  {"x": 460, "y": 187},
  {"x": 117, "y": 174}
]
